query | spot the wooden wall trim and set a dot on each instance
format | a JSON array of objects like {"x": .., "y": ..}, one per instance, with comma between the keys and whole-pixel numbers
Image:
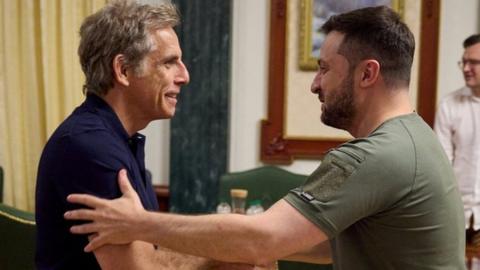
[{"x": 428, "y": 62}]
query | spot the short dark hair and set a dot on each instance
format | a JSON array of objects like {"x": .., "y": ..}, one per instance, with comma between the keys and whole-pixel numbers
[
  {"x": 378, "y": 33},
  {"x": 471, "y": 40}
]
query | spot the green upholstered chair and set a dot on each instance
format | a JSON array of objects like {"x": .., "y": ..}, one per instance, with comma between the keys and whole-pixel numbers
[
  {"x": 17, "y": 239},
  {"x": 268, "y": 184}
]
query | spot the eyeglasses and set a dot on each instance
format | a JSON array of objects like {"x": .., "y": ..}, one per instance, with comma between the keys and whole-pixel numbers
[{"x": 471, "y": 62}]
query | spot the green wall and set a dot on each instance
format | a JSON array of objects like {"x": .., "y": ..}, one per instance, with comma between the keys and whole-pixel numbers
[{"x": 199, "y": 130}]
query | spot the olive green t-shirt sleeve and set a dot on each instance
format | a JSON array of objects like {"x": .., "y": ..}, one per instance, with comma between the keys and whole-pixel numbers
[{"x": 345, "y": 188}]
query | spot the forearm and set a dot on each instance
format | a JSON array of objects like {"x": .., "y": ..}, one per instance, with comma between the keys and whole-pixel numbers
[
  {"x": 136, "y": 255},
  {"x": 231, "y": 238},
  {"x": 142, "y": 255},
  {"x": 170, "y": 260},
  {"x": 320, "y": 254},
  {"x": 258, "y": 239}
]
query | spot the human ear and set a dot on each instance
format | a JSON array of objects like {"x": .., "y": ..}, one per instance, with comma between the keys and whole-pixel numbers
[
  {"x": 370, "y": 70},
  {"x": 120, "y": 70}
]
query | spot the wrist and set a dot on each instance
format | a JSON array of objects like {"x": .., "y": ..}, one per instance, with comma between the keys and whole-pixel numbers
[{"x": 142, "y": 226}]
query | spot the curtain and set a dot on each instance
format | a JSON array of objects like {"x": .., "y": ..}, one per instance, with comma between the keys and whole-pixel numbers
[{"x": 40, "y": 84}]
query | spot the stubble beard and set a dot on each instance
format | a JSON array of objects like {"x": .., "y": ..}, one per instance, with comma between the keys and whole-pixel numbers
[{"x": 340, "y": 112}]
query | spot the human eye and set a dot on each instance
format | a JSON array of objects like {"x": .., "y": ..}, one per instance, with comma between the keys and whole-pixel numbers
[
  {"x": 322, "y": 68},
  {"x": 169, "y": 62}
]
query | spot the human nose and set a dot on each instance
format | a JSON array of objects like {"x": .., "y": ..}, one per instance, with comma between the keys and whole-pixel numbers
[
  {"x": 183, "y": 77},
  {"x": 467, "y": 67},
  {"x": 315, "y": 86}
]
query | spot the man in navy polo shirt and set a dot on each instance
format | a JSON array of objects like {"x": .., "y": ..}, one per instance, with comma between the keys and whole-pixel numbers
[{"x": 132, "y": 63}]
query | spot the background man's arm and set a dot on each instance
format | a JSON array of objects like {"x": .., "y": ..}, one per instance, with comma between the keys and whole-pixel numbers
[{"x": 443, "y": 129}]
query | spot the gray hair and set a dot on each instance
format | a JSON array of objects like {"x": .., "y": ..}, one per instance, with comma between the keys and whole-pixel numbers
[{"x": 121, "y": 27}]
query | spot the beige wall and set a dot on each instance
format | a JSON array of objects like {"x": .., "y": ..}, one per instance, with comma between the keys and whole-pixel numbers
[{"x": 249, "y": 86}]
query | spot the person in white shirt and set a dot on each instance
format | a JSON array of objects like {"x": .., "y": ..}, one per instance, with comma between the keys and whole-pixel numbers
[{"x": 457, "y": 125}]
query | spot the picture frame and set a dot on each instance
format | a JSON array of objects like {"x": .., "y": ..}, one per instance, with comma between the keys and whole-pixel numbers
[
  {"x": 313, "y": 13},
  {"x": 278, "y": 148}
]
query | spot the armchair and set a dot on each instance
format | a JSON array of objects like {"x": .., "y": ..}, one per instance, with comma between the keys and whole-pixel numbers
[{"x": 17, "y": 238}]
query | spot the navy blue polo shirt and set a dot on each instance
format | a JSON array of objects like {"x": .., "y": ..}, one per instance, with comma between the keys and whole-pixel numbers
[{"x": 83, "y": 155}]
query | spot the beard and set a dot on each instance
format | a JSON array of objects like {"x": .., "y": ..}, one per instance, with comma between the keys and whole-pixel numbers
[{"x": 340, "y": 111}]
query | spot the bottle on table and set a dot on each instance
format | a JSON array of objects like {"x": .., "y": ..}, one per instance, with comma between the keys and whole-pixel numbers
[
  {"x": 255, "y": 207},
  {"x": 238, "y": 197},
  {"x": 224, "y": 208}
]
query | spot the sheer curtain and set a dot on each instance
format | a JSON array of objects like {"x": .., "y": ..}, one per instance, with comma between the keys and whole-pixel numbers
[{"x": 40, "y": 83}]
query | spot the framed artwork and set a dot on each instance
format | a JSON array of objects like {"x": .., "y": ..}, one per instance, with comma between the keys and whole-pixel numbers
[
  {"x": 281, "y": 146},
  {"x": 314, "y": 13}
]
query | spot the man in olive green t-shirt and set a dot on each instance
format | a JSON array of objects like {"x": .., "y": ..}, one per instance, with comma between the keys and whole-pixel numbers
[{"x": 385, "y": 200}]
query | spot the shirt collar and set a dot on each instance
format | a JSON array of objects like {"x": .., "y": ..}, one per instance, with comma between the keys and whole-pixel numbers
[
  {"x": 100, "y": 107},
  {"x": 467, "y": 92}
]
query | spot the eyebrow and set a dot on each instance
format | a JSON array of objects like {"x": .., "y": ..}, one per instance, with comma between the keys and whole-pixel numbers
[{"x": 169, "y": 58}]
